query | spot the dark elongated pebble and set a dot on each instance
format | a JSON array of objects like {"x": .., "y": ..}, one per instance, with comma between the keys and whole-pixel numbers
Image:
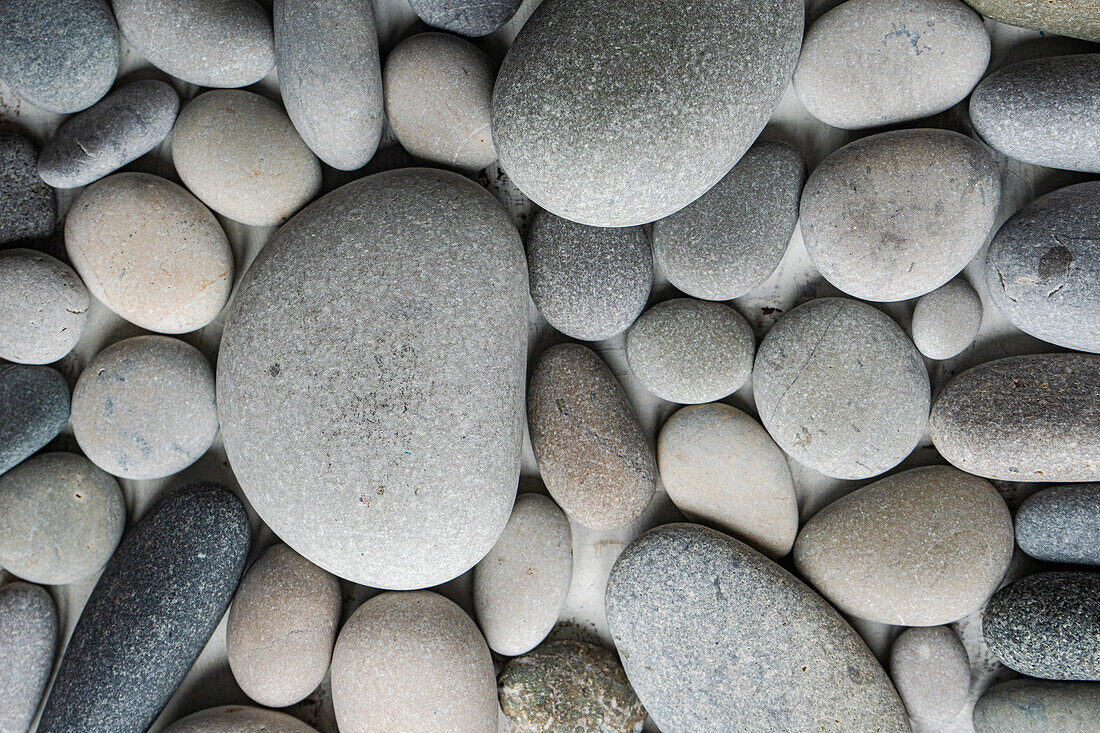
[
  {"x": 27, "y": 206},
  {"x": 1074, "y": 18},
  {"x": 468, "y": 17},
  {"x": 1061, "y": 524},
  {"x": 34, "y": 407},
  {"x": 1038, "y": 706},
  {"x": 28, "y": 639}
]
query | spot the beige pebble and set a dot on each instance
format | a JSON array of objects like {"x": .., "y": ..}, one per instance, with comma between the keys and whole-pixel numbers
[{"x": 239, "y": 719}]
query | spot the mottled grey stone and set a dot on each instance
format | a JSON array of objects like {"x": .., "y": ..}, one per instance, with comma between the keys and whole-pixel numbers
[
  {"x": 595, "y": 118},
  {"x": 469, "y": 17},
  {"x": 1038, "y": 706},
  {"x": 947, "y": 320},
  {"x": 28, "y": 640},
  {"x": 931, "y": 672},
  {"x": 1061, "y": 524},
  {"x": 1074, "y": 18},
  {"x": 27, "y": 206},
  {"x": 714, "y": 636},
  {"x": 239, "y": 719},
  {"x": 43, "y": 307},
  {"x": 34, "y": 407}
]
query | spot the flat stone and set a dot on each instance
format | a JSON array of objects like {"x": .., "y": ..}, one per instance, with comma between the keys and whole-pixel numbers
[
  {"x": 947, "y": 320},
  {"x": 931, "y": 672},
  {"x": 595, "y": 119},
  {"x": 1074, "y": 18},
  {"x": 28, "y": 639},
  {"x": 1038, "y": 706},
  {"x": 731, "y": 238},
  {"x": 1061, "y": 524},
  {"x": 591, "y": 451},
  {"x": 60, "y": 518},
  {"x": 841, "y": 388},
  {"x": 144, "y": 407},
  {"x": 469, "y": 17},
  {"x": 27, "y": 206},
  {"x": 34, "y": 407},
  {"x": 714, "y": 636},
  {"x": 393, "y": 394},
  {"x": 43, "y": 307},
  {"x": 239, "y": 719},
  {"x": 1023, "y": 418},
  {"x": 151, "y": 613}
]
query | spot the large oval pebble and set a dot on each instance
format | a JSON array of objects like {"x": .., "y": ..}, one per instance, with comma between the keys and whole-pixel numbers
[
  {"x": 239, "y": 719},
  {"x": 931, "y": 672},
  {"x": 43, "y": 307},
  {"x": 28, "y": 639},
  {"x": 1074, "y": 18},
  {"x": 1038, "y": 706},
  {"x": 1061, "y": 524},
  {"x": 34, "y": 407},
  {"x": 947, "y": 320},
  {"x": 28, "y": 210}
]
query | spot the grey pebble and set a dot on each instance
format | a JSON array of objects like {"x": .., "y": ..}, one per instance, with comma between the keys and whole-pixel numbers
[
  {"x": 1061, "y": 524},
  {"x": 1038, "y": 706},
  {"x": 1073, "y": 18},
  {"x": 239, "y": 719},
  {"x": 931, "y": 672},
  {"x": 28, "y": 210},
  {"x": 28, "y": 641},
  {"x": 947, "y": 320},
  {"x": 34, "y": 407},
  {"x": 468, "y": 17},
  {"x": 43, "y": 307}
]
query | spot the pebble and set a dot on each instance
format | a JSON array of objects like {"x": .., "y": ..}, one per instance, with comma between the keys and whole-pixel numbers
[
  {"x": 472, "y": 18},
  {"x": 122, "y": 127},
  {"x": 149, "y": 251},
  {"x": 931, "y": 672},
  {"x": 731, "y": 239},
  {"x": 239, "y": 719},
  {"x": 1038, "y": 706},
  {"x": 896, "y": 215},
  {"x": 43, "y": 307},
  {"x": 590, "y": 283},
  {"x": 1047, "y": 626},
  {"x": 721, "y": 468},
  {"x": 841, "y": 388},
  {"x": 28, "y": 640},
  {"x": 1061, "y": 524},
  {"x": 566, "y": 686},
  {"x": 221, "y": 44},
  {"x": 1074, "y": 18},
  {"x": 691, "y": 351},
  {"x": 1043, "y": 265},
  {"x": 34, "y": 407},
  {"x": 591, "y": 451},
  {"x": 153, "y": 610},
  {"x": 282, "y": 626},
  {"x": 947, "y": 320},
  {"x": 413, "y": 662},
  {"x": 144, "y": 407},
  {"x": 393, "y": 392},
  {"x": 27, "y": 206},
  {"x": 240, "y": 154},
  {"x": 60, "y": 57},
  {"x": 60, "y": 518},
  {"x": 330, "y": 77},
  {"x": 595, "y": 119},
  {"x": 714, "y": 636},
  {"x": 1023, "y": 418},
  {"x": 438, "y": 90}
]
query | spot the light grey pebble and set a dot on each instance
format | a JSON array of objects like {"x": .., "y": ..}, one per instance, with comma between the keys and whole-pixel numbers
[
  {"x": 1038, "y": 706},
  {"x": 947, "y": 320},
  {"x": 1061, "y": 524},
  {"x": 931, "y": 672},
  {"x": 239, "y": 719},
  {"x": 469, "y": 17},
  {"x": 43, "y": 307},
  {"x": 34, "y": 407},
  {"x": 28, "y": 209},
  {"x": 28, "y": 640}
]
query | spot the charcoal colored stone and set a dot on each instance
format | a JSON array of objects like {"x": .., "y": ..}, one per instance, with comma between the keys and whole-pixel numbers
[
  {"x": 467, "y": 17},
  {"x": 1074, "y": 18},
  {"x": 34, "y": 407},
  {"x": 28, "y": 641},
  {"x": 1061, "y": 524},
  {"x": 27, "y": 206},
  {"x": 931, "y": 671},
  {"x": 1038, "y": 706},
  {"x": 947, "y": 320},
  {"x": 43, "y": 307}
]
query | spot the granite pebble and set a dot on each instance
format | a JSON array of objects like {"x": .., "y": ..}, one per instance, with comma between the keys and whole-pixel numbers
[
  {"x": 239, "y": 719},
  {"x": 28, "y": 210},
  {"x": 34, "y": 407},
  {"x": 947, "y": 320},
  {"x": 28, "y": 641},
  {"x": 1038, "y": 706},
  {"x": 472, "y": 18},
  {"x": 931, "y": 671},
  {"x": 1061, "y": 524},
  {"x": 1074, "y": 18},
  {"x": 43, "y": 307}
]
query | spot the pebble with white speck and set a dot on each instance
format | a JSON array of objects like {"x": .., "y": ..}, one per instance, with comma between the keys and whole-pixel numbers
[
  {"x": 34, "y": 407},
  {"x": 946, "y": 321},
  {"x": 1061, "y": 524},
  {"x": 931, "y": 672},
  {"x": 28, "y": 210},
  {"x": 43, "y": 307},
  {"x": 28, "y": 641}
]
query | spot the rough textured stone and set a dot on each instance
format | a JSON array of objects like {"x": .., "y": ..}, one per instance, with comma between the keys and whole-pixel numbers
[
  {"x": 946, "y": 321},
  {"x": 841, "y": 388},
  {"x": 43, "y": 307},
  {"x": 1074, "y": 18},
  {"x": 28, "y": 638},
  {"x": 592, "y": 453},
  {"x": 469, "y": 17},
  {"x": 595, "y": 119},
  {"x": 27, "y": 206},
  {"x": 391, "y": 393},
  {"x": 1038, "y": 706},
  {"x": 931, "y": 672},
  {"x": 714, "y": 636},
  {"x": 239, "y": 719},
  {"x": 151, "y": 613},
  {"x": 1061, "y": 524},
  {"x": 34, "y": 407}
]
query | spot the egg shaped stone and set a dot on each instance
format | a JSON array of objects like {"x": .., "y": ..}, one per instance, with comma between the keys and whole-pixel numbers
[{"x": 43, "y": 307}]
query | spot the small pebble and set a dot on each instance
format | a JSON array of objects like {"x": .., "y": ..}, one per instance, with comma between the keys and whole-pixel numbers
[
  {"x": 1038, "y": 706},
  {"x": 1074, "y": 18},
  {"x": 34, "y": 407},
  {"x": 239, "y": 719},
  {"x": 947, "y": 320},
  {"x": 1061, "y": 524},
  {"x": 28, "y": 640},
  {"x": 28, "y": 210},
  {"x": 43, "y": 307},
  {"x": 472, "y": 18},
  {"x": 931, "y": 672}
]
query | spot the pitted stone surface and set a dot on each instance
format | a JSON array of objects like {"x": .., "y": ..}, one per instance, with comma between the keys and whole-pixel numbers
[{"x": 43, "y": 307}]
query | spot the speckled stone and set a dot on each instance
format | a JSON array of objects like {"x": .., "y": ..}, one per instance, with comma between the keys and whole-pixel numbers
[
  {"x": 931, "y": 672},
  {"x": 60, "y": 518},
  {"x": 1061, "y": 524},
  {"x": 34, "y": 407},
  {"x": 282, "y": 627},
  {"x": 592, "y": 453},
  {"x": 567, "y": 686},
  {"x": 151, "y": 613},
  {"x": 43, "y": 307},
  {"x": 469, "y": 17},
  {"x": 391, "y": 393},
  {"x": 519, "y": 588},
  {"x": 223, "y": 44},
  {"x": 714, "y": 636},
  {"x": 59, "y": 56},
  {"x": 28, "y": 639},
  {"x": 1074, "y": 18},
  {"x": 1023, "y": 418},
  {"x": 330, "y": 77},
  {"x": 732, "y": 238},
  {"x": 946, "y": 321},
  {"x": 122, "y": 127},
  {"x": 144, "y": 407},
  {"x": 408, "y": 662},
  {"x": 239, "y": 719},
  {"x": 595, "y": 119},
  {"x": 1038, "y": 706},
  {"x": 150, "y": 251},
  {"x": 841, "y": 388},
  {"x": 27, "y": 206}
]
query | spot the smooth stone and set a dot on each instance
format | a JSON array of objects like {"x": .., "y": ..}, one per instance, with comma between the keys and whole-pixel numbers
[
  {"x": 34, "y": 407},
  {"x": 392, "y": 393},
  {"x": 931, "y": 672},
  {"x": 590, "y": 283},
  {"x": 595, "y": 120},
  {"x": 145, "y": 407},
  {"x": 28, "y": 640},
  {"x": 1043, "y": 265},
  {"x": 153, "y": 610},
  {"x": 27, "y": 206},
  {"x": 1061, "y": 524},
  {"x": 472, "y": 18},
  {"x": 1023, "y": 418},
  {"x": 282, "y": 626},
  {"x": 947, "y": 320},
  {"x": 1047, "y": 626},
  {"x": 896, "y": 215},
  {"x": 565, "y": 686},
  {"x": 714, "y": 636},
  {"x": 721, "y": 468},
  {"x": 59, "y": 56},
  {"x": 239, "y": 719},
  {"x": 841, "y": 388},
  {"x": 591, "y": 451},
  {"x": 1073, "y": 18},
  {"x": 240, "y": 155},
  {"x": 410, "y": 662},
  {"x": 150, "y": 251},
  {"x": 1038, "y": 706},
  {"x": 43, "y": 307},
  {"x": 519, "y": 588},
  {"x": 60, "y": 518},
  {"x": 438, "y": 89},
  {"x": 691, "y": 351},
  {"x": 122, "y": 127},
  {"x": 222, "y": 44},
  {"x": 330, "y": 77},
  {"x": 731, "y": 238}
]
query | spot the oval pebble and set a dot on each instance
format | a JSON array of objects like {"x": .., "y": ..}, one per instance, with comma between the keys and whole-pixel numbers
[
  {"x": 1074, "y": 18},
  {"x": 239, "y": 719},
  {"x": 28, "y": 640},
  {"x": 1061, "y": 524},
  {"x": 1038, "y": 706},
  {"x": 43, "y": 307},
  {"x": 947, "y": 320},
  {"x": 469, "y": 17},
  {"x": 931, "y": 672},
  {"x": 34, "y": 407},
  {"x": 28, "y": 210}
]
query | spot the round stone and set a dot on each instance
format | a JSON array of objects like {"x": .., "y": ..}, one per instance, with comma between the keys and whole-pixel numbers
[
  {"x": 1061, "y": 524},
  {"x": 1074, "y": 18},
  {"x": 931, "y": 672},
  {"x": 946, "y": 321},
  {"x": 43, "y": 307},
  {"x": 28, "y": 210},
  {"x": 469, "y": 17},
  {"x": 28, "y": 638},
  {"x": 34, "y": 407},
  {"x": 1038, "y": 705},
  {"x": 239, "y": 719}
]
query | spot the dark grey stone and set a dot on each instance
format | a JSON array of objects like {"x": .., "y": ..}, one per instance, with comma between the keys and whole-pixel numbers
[
  {"x": 28, "y": 210},
  {"x": 34, "y": 407},
  {"x": 1061, "y": 524},
  {"x": 1038, "y": 706},
  {"x": 28, "y": 640},
  {"x": 151, "y": 613},
  {"x": 468, "y": 17}
]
